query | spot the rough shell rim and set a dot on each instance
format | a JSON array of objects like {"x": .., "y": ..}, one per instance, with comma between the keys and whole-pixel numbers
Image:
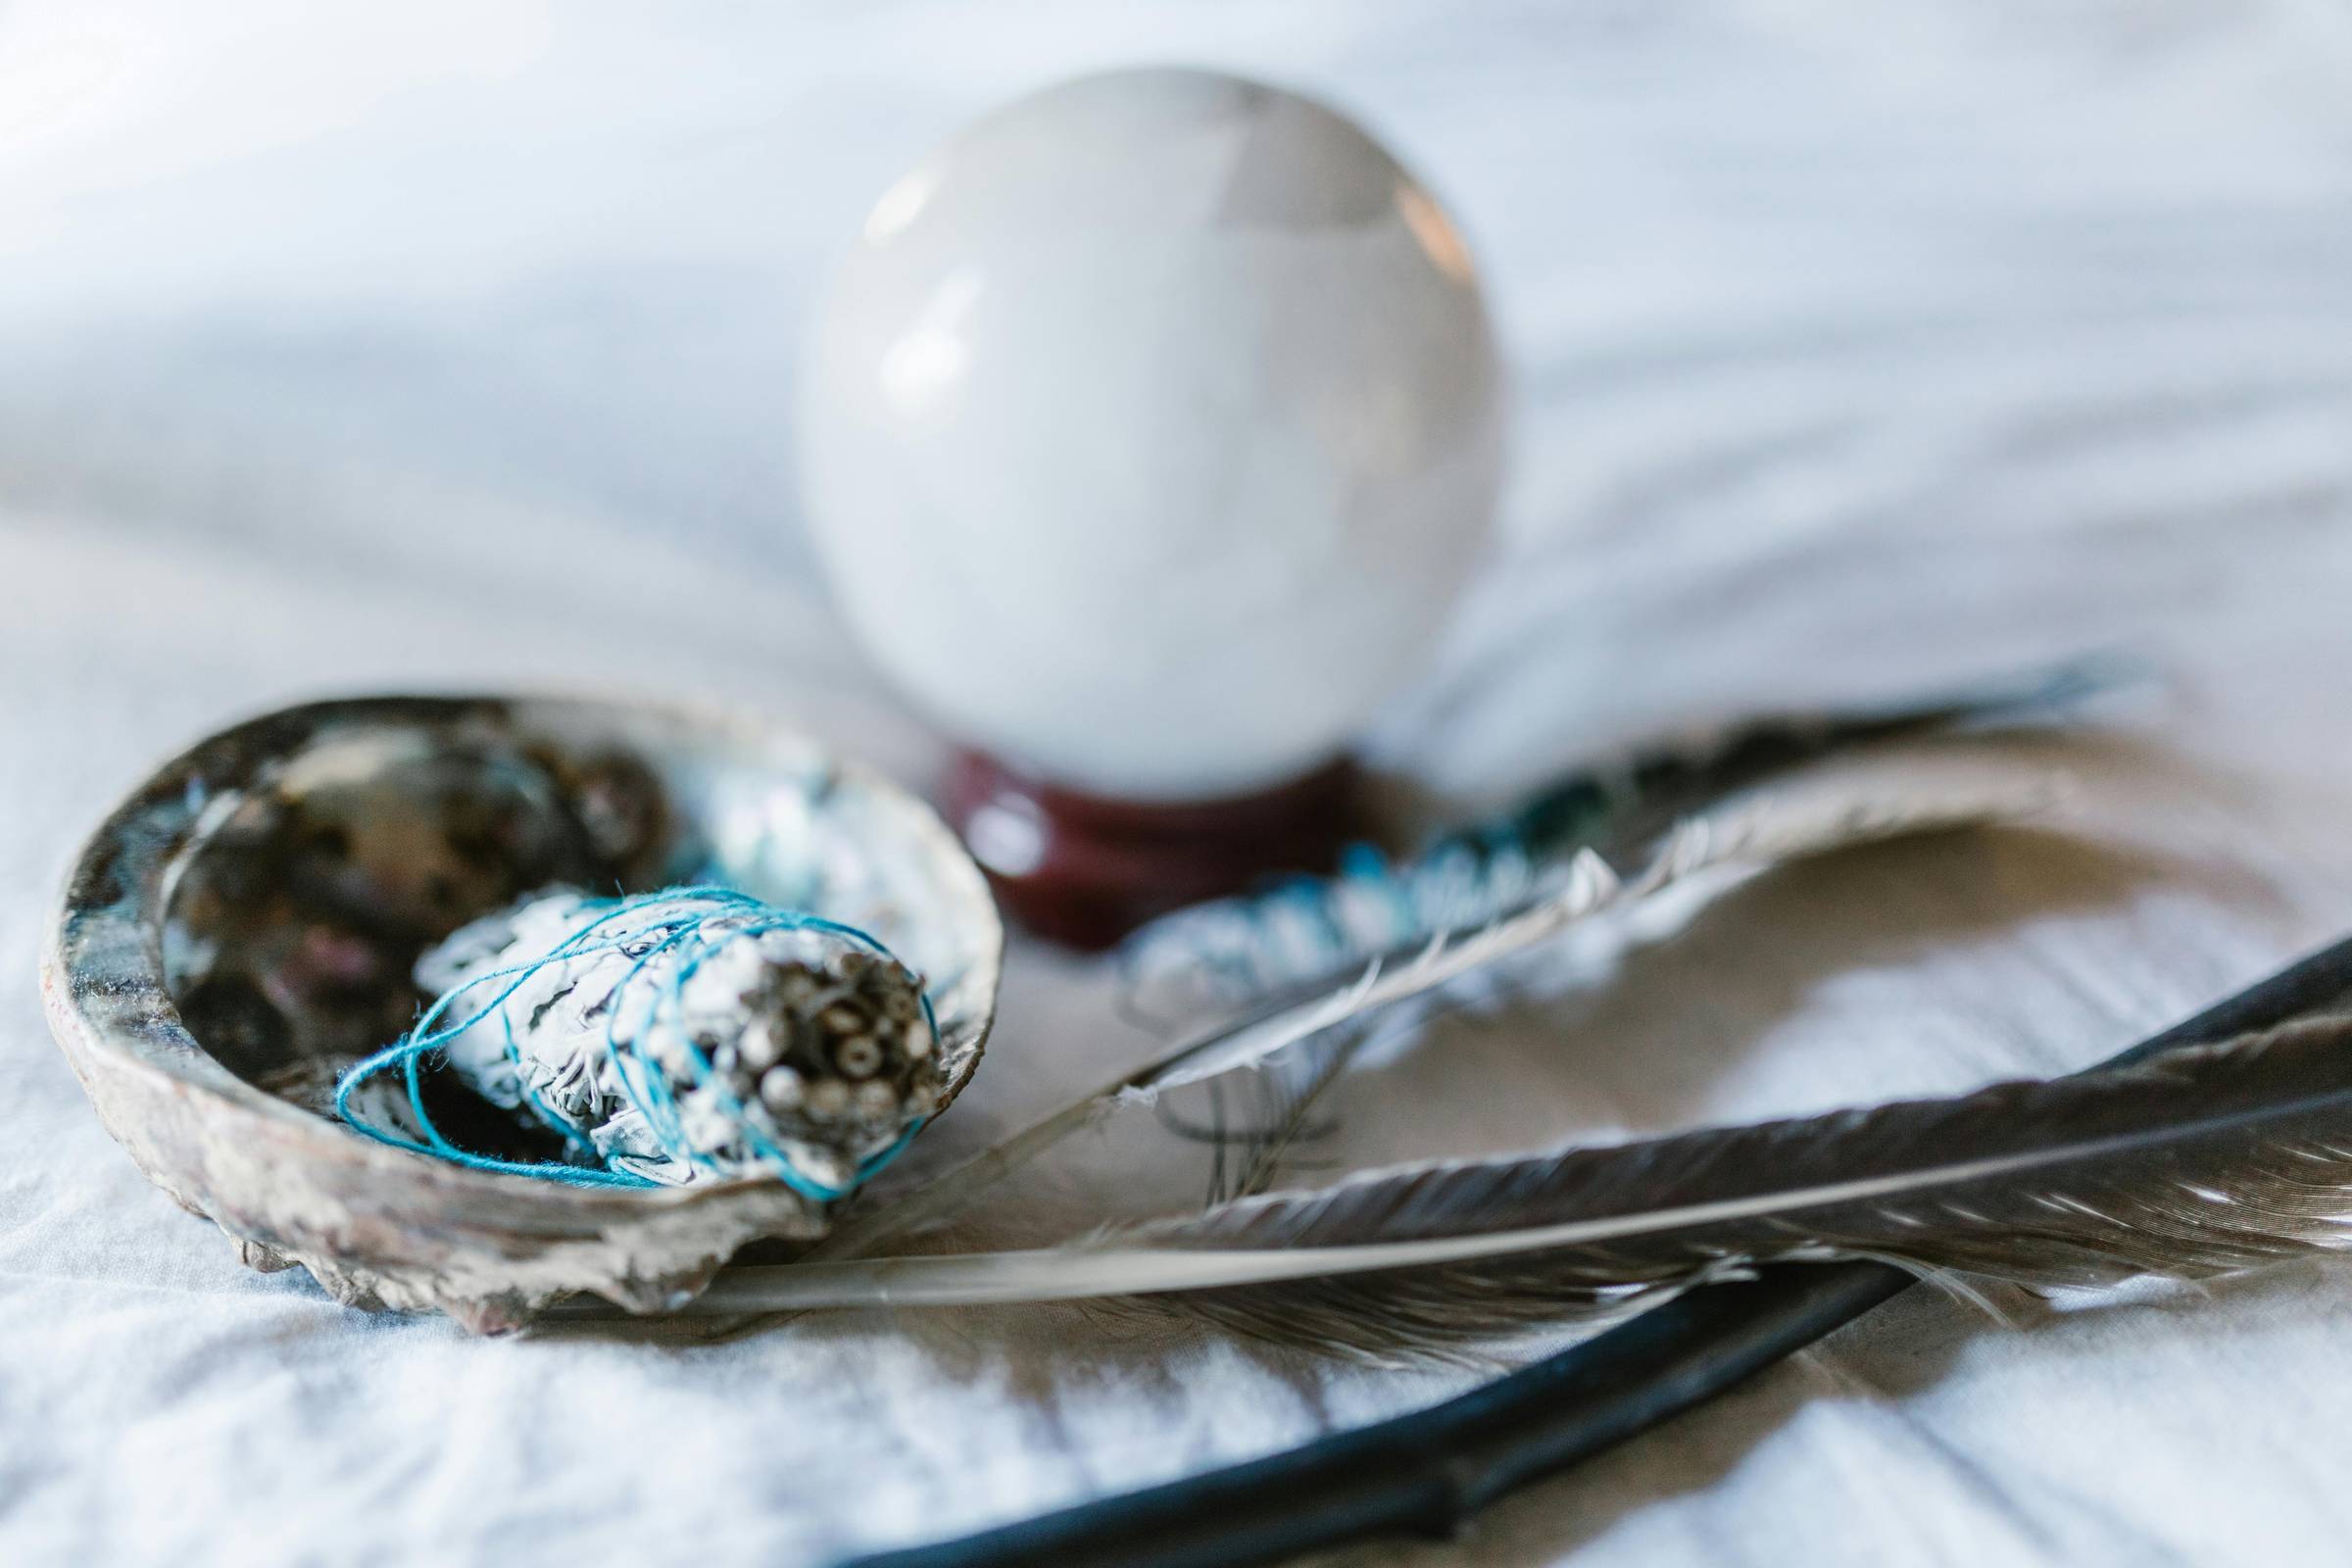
[{"x": 178, "y": 1111}]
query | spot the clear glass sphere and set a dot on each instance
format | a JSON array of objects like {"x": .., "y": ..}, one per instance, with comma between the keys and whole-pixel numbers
[{"x": 1152, "y": 427}]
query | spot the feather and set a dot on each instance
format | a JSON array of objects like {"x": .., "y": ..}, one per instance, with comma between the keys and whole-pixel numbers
[
  {"x": 1278, "y": 1111},
  {"x": 1227, "y": 952},
  {"x": 2204, "y": 1161},
  {"x": 1838, "y": 810}
]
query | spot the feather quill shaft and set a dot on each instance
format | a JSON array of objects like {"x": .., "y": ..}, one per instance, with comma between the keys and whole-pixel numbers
[
  {"x": 1786, "y": 825},
  {"x": 2206, "y": 1160}
]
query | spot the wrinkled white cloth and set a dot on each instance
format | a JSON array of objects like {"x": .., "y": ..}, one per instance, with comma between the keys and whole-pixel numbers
[{"x": 1859, "y": 348}]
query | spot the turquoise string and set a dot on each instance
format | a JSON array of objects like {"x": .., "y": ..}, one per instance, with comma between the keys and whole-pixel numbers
[{"x": 647, "y": 1089}]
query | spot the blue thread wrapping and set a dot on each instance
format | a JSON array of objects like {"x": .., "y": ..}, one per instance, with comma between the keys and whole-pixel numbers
[{"x": 647, "y": 1087}]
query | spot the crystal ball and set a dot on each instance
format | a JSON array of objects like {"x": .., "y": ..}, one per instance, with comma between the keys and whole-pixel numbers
[{"x": 1152, "y": 427}]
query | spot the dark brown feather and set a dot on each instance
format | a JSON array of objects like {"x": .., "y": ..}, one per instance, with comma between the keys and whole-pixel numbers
[{"x": 2206, "y": 1160}]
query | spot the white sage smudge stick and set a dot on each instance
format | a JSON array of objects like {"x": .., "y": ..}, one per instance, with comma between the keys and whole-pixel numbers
[{"x": 692, "y": 1035}]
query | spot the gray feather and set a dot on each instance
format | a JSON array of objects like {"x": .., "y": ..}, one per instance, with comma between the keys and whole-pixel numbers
[
  {"x": 1838, "y": 810},
  {"x": 2208, "y": 1160}
]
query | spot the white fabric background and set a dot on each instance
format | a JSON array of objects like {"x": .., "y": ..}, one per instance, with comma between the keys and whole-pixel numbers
[{"x": 1859, "y": 347}]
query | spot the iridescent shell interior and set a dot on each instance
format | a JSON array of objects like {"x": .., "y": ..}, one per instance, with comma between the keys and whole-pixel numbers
[
  {"x": 303, "y": 898},
  {"x": 247, "y": 923}
]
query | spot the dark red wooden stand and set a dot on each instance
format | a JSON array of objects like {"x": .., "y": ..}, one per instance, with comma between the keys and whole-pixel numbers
[{"x": 1083, "y": 870}]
